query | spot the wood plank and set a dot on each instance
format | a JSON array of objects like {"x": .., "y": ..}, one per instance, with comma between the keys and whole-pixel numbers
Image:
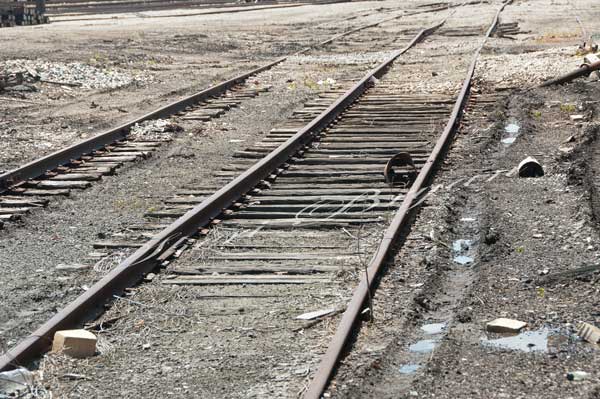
[
  {"x": 246, "y": 280},
  {"x": 59, "y": 184},
  {"x": 246, "y": 256},
  {"x": 250, "y": 268}
]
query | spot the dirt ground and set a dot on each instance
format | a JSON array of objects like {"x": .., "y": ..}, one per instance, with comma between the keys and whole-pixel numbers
[{"x": 515, "y": 236}]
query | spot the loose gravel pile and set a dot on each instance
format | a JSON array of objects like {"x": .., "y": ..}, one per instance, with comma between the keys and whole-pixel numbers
[
  {"x": 74, "y": 73},
  {"x": 528, "y": 68},
  {"x": 158, "y": 129}
]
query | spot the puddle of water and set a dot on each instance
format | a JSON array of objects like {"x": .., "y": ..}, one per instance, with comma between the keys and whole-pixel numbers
[
  {"x": 433, "y": 328},
  {"x": 461, "y": 249},
  {"x": 463, "y": 259},
  {"x": 423, "y": 346},
  {"x": 512, "y": 128},
  {"x": 511, "y": 133},
  {"x": 409, "y": 368},
  {"x": 528, "y": 341}
]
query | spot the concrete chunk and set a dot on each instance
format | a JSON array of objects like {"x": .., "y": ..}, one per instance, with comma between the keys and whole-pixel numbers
[
  {"x": 75, "y": 343},
  {"x": 502, "y": 325}
]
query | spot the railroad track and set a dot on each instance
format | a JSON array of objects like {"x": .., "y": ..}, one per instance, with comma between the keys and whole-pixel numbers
[
  {"x": 76, "y": 167},
  {"x": 317, "y": 174}
]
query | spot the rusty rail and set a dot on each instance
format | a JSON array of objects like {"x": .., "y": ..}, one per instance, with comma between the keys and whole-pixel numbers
[
  {"x": 584, "y": 70},
  {"x": 66, "y": 155},
  {"x": 367, "y": 284},
  {"x": 151, "y": 254}
]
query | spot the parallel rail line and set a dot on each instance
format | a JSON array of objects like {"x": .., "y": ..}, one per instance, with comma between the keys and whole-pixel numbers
[
  {"x": 76, "y": 166},
  {"x": 339, "y": 151},
  {"x": 164, "y": 244}
]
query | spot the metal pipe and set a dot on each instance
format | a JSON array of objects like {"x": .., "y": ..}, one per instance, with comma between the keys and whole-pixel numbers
[{"x": 584, "y": 70}]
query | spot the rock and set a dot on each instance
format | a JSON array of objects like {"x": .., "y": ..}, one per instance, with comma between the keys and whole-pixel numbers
[
  {"x": 503, "y": 325},
  {"x": 75, "y": 343},
  {"x": 149, "y": 277},
  {"x": 589, "y": 333},
  {"x": 15, "y": 382},
  {"x": 576, "y": 118}
]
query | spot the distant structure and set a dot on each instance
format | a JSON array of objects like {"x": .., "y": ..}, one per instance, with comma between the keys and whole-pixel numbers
[{"x": 27, "y": 12}]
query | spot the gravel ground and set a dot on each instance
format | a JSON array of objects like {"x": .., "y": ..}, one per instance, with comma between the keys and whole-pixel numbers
[
  {"x": 156, "y": 60},
  {"x": 520, "y": 231},
  {"x": 428, "y": 339}
]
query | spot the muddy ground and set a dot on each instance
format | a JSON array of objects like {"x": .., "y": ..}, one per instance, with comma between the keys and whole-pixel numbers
[{"x": 521, "y": 233}]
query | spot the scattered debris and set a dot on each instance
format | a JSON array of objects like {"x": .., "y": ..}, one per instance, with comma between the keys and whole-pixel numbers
[
  {"x": 578, "y": 375},
  {"x": 316, "y": 314},
  {"x": 576, "y": 118},
  {"x": 73, "y": 74},
  {"x": 71, "y": 267},
  {"x": 14, "y": 383},
  {"x": 502, "y": 325},
  {"x": 589, "y": 333},
  {"x": 75, "y": 343},
  {"x": 530, "y": 167},
  {"x": 157, "y": 129},
  {"x": 578, "y": 273}
]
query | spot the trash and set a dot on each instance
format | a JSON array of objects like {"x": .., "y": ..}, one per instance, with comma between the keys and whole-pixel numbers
[
  {"x": 149, "y": 277},
  {"x": 530, "y": 167},
  {"x": 69, "y": 267},
  {"x": 576, "y": 118},
  {"x": 577, "y": 375},
  {"x": 316, "y": 314},
  {"x": 15, "y": 382},
  {"x": 75, "y": 343},
  {"x": 157, "y": 129},
  {"x": 589, "y": 333},
  {"x": 503, "y": 325}
]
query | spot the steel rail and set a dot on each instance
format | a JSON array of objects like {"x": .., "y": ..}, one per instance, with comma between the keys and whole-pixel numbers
[
  {"x": 146, "y": 258},
  {"x": 368, "y": 283},
  {"x": 66, "y": 155}
]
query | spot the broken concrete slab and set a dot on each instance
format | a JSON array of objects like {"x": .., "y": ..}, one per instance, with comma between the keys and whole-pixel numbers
[
  {"x": 502, "y": 325},
  {"x": 75, "y": 343}
]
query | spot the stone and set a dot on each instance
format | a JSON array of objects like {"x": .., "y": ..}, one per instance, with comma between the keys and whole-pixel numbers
[
  {"x": 576, "y": 118},
  {"x": 75, "y": 343},
  {"x": 503, "y": 325}
]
